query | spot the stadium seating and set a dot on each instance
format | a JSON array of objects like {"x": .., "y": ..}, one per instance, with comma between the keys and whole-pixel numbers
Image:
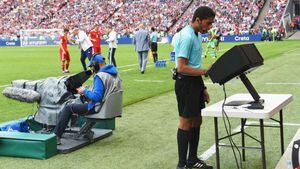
[
  {"x": 28, "y": 15},
  {"x": 232, "y": 16},
  {"x": 274, "y": 14},
  {"x": 84, "y": 13},
  {"x": 55, "y": 14},
  {"x": 7, "y": 6},
  {"x": 160, "y": 15}
]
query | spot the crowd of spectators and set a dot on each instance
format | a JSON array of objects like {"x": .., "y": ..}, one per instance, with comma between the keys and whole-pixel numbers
[
  {"x": 232, "y": 16},
  {"x": 295, "y": 24},
  {"x": 83, "y": 13},
  {"x": 28, "y": 15},
  {"x": 54, "y": 14},
  {"x": 7, "y": 5},
  {"x": 159, "y": 14},
  {"x": 274, "y": 15}
]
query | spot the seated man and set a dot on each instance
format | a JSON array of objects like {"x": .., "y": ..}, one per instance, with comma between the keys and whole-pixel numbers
[{"x": 106, "y": 81}]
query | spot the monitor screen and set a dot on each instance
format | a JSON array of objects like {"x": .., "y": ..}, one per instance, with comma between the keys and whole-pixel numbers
[{"x": 237, "y": 60}]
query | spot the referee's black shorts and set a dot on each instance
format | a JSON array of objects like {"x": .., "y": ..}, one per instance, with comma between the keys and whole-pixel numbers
[
  {"x": 189, "y": 93},
  {"x": 154, "y": 46}
]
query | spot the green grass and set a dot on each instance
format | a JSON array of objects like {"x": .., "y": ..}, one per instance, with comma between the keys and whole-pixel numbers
[{"x": 145, "y": 137}]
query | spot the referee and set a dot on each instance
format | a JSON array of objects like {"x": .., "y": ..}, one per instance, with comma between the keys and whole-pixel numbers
[
  {"x": 190, "y": 90},
  {"x": 153, "y": 38}
]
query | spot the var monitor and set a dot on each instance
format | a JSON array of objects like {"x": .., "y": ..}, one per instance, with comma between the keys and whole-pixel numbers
[{"x": 236, "y": 62}]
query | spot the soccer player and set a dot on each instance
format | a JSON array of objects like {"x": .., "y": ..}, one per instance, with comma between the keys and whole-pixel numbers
[
  {"x": 153, "y": 38},
  {"x": 95, "y": 36},
  {"x": 274, "y": 33},
  {"x": 264, "y": 34},
  {"x": 212, "y": 42},
  {"x": 64, "y": 52},
  {"x": 218, "y": 38}
]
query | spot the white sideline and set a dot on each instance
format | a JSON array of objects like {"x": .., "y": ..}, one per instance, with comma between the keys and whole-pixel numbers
[
  {"x": 127, "y": 66},
  {"x": 5, "y": 86},
  {"x": 209, "y": 152},
  {"x": 212, "y": 150},
  {"x": 273, "y": 83},
  {"x": 126, "y": 70},
  {"x": 149, "y": 81}
]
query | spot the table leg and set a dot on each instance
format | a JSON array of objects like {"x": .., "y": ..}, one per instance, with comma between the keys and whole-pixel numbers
[
  {"x": 262, "y": 136},
  {"x": 281, "y": 132},
  {"x": 217, "y": 142},
  {"x": 243, "y": 138}
]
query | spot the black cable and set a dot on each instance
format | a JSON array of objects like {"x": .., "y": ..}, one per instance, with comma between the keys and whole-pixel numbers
[
  {"x": 37, "y": 108},
  {"x": 228, "y": 131},
  {"x": 226, "y": 128},
  {"x": 230, "y": 138},
  {"x": 29, "y": 116},
  {"x": 241, "y": 164}
]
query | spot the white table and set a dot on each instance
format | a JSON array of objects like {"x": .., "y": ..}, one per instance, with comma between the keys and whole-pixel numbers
[
  {"x": 288, "y": 153},
  {"x": 273, "y": 103}
]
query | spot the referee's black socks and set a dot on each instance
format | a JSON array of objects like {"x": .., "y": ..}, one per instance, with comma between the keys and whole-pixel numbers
[
  {"x": 193, "y": 144},
  {"x": 155, "y": 57},
  {"x": 182, "y": 141}
]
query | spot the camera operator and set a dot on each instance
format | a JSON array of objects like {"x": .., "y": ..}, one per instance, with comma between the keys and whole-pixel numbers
[{"x": 106, "y": 81}]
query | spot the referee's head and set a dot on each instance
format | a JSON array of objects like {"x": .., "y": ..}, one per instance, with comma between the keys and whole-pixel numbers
[{"x": 203, "y": 18}]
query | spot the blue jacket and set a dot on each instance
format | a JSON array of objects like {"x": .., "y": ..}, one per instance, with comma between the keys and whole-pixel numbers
[{"x": 98, "y": 88}]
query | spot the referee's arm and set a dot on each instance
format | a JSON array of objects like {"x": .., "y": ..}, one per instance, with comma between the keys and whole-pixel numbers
[{"x": 183, "y": 67}]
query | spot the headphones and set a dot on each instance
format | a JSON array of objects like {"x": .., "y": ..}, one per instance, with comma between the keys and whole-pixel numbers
[{"x": 95, "y": 64}]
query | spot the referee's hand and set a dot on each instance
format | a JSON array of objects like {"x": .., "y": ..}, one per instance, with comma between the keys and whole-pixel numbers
[{"x": 206, "y": 96}]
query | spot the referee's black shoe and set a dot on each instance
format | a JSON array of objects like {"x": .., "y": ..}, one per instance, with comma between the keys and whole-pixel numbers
[
  {"x": 184, "y": 167},
  {"x": 198, "y": 164}
]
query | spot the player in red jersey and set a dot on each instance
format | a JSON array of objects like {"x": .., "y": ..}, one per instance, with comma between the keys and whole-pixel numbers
[
  {"x": 64, "y": 52},
  {"x": 95, "y": 36}
]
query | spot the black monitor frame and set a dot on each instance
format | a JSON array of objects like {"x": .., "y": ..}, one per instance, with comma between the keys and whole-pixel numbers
[
  {"x": 237, "y": 62},
  {"x": 257, "y": 103}
]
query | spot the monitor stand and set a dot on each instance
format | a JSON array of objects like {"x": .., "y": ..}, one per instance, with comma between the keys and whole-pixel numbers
[{"x": 257, "y": 103}]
